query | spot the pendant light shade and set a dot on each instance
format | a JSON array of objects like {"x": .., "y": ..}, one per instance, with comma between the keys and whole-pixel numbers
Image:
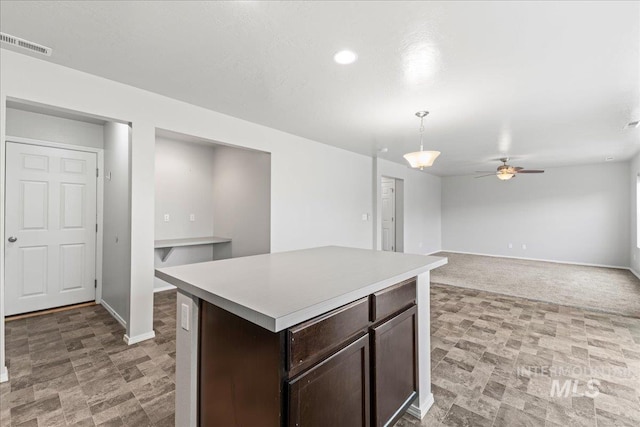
[{"x": 421, "y": 159}]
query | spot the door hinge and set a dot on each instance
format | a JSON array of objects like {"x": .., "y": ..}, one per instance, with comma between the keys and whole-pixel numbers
[
  {"x": 95, "y": 283},
  {"x": 96, "y": 227},
  {"x": 97, "y": 172}
]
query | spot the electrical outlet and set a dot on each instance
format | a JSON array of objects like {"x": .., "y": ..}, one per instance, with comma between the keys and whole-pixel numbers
[
  {"x": 510, "y": 245},
  {"x": 184, "y": 317},
  {"x": 365, "y": 217},
  {"x": 192, "y": 217},
  {"x": 524, "y": 247},
  {"x": 166, "y": 217}
]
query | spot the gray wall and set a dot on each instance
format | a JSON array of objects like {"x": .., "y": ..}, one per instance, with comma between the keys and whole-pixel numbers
[
  {"x": 634, "y": 252},
  {"x": 184, "y": 174},
  {"x": 227, "y": 189},
  {"x": 184, "y": 186},
  {"x": 423, "y": 213},
  {"x": 242, "y": 199},
  {"x": 53, "y": 129},
  {"x": 399, "y": 202},
  {"x": 116, "y": 267},
  {"x": 573, "y": 214}
]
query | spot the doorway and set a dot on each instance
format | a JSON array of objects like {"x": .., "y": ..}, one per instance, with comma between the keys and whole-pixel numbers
[
  {"x": 51, "y": 227},
  {"x": 392, "y": 198}
]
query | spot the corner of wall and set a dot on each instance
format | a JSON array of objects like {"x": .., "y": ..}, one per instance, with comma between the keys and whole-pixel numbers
[{"x": 634, "y": 251}]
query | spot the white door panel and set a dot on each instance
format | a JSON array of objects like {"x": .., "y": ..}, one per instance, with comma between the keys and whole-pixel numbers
[
  {"x": 32, "y": 272},
  {"x": 34, "y": 210},
  {"x": 72, "y": 201},
  {"x": 51, "y": 211}
]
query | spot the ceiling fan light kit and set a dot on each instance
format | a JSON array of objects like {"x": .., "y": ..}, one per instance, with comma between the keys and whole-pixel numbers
[
  {"x": 504, "y": 175},
  {"x": 421, "y": 159},
  {"x": 506, "y": 172}
]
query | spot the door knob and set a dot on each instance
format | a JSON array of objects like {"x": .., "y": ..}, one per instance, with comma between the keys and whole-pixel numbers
[{"x": 13, "y": 239}]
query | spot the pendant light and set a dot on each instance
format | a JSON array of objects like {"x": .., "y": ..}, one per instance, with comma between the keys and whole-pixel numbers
[{"x": 421, "y": 159}]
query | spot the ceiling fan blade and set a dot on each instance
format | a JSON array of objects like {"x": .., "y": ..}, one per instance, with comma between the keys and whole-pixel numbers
[
  {"x": 530, "y": 171},
  {"x": 518, "y": 168},
  {"x": 482, "y": 176}
]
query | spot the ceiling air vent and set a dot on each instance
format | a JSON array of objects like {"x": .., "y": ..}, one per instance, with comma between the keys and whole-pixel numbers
[{"x": 25, "y": 44}]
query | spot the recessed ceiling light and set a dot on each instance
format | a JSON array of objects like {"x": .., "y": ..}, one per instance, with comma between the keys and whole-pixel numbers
[
  {"x": 608, "y": 158},
  {"x": 345, "y": 57}
]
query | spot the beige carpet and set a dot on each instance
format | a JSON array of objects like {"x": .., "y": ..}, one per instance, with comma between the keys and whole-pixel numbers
[{"x": 605, "y": 289}]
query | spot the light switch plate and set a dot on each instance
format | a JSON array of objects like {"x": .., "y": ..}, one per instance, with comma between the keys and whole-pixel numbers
[
  {"x": 192, "y": 217},
  {"x": 184, "y": 317},
  {"x": 166, "y": 217}
]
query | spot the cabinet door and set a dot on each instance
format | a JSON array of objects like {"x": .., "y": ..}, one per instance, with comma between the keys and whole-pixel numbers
[
  {"x": 395, "y": 367},
  {"x": 334, "y": 392}
]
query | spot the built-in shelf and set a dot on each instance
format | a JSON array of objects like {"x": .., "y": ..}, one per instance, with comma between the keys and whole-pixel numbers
[{"x": 169, "y": 245}]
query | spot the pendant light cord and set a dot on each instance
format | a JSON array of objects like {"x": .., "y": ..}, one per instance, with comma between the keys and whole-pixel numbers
[{"x": 421, "y": 132}]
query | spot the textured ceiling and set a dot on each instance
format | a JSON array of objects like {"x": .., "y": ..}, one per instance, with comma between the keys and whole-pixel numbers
[{"x": 547, "y": 83}]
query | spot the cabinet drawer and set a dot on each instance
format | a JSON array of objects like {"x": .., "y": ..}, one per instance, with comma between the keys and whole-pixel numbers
[
  {"x": 310, "y": 341},
  {"x": 393, "y": 299}
]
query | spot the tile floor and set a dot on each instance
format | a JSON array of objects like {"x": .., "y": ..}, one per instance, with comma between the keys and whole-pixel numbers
[
  {"x": 72, "y": 368},
  {"x": 495, "y": 359}
]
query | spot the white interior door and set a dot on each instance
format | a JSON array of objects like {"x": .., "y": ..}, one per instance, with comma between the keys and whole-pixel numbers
[
  {"x": 388, "y": 214},
  {"x": 50, "y": 226}
]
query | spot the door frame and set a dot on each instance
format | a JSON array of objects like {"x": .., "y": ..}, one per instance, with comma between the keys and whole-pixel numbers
[
  {"x": 99, "y": 196},
  {"x": 398, "y": 208}
]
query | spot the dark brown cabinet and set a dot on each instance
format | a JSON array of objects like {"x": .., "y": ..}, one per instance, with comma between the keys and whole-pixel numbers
[
  {"x": 353, "y": 366},
  {"x": 394, "y": 360},
  {"x": 334, "y": 392}
]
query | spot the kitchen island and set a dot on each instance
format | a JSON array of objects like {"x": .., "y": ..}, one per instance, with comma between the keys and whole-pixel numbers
[{"x": 324, "y": 336}]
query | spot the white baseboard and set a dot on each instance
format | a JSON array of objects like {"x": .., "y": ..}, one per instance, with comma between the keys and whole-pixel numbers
[
  {"x": 419, "y": 413},
  {"x": 139, "y": 338},
  {"x": 4, "y": 375},
  {"x": 114, "y": 313},
  {"x": 538, "y": 259},
  {"x": 166, "y": 287},
  {"x": 635, "y": 273}
]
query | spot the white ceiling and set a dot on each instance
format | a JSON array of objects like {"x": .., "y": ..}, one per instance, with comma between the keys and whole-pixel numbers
[{"x": 547, "y": 83}]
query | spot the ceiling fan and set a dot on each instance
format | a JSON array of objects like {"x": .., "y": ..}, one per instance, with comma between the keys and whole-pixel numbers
[{"x": 506, "y": 172}]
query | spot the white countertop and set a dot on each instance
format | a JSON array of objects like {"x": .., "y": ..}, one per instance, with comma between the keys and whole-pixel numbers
[{"x": 277, "y": 291}]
